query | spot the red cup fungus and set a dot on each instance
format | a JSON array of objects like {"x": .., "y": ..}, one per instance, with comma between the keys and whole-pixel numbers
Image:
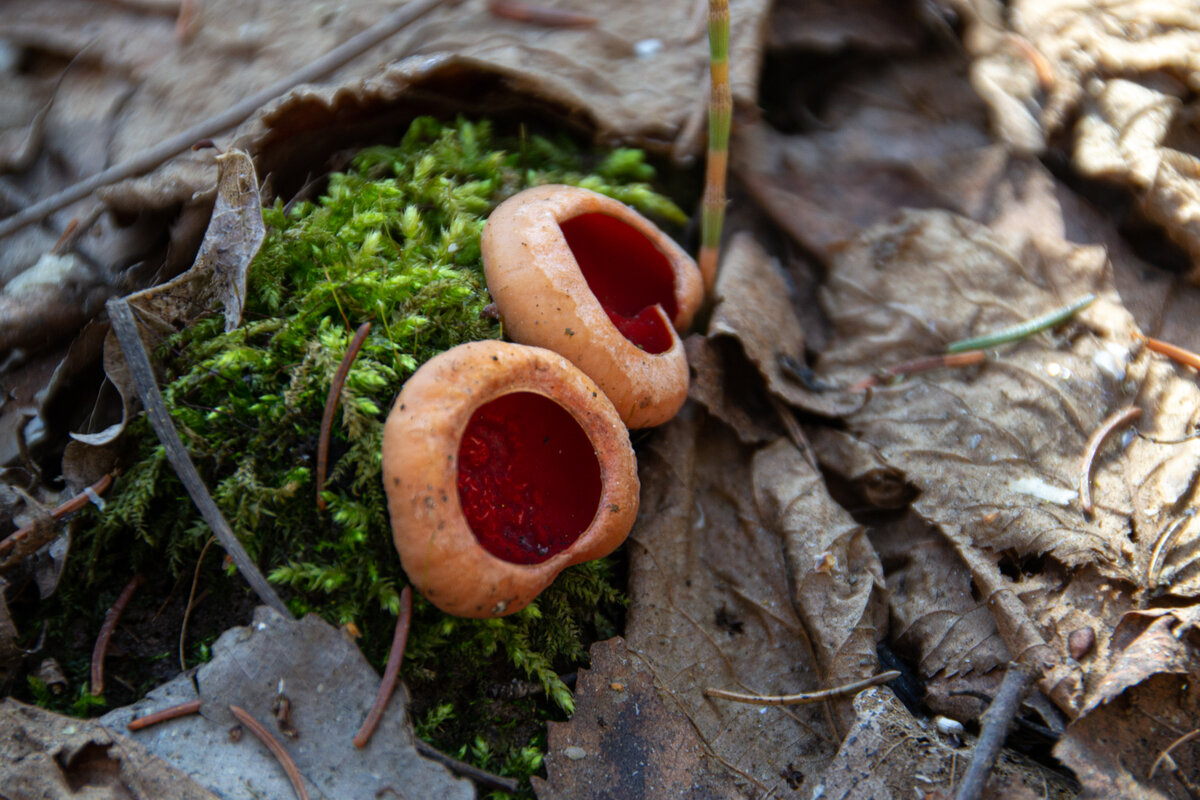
[
  {"x": 588, "y": 277},
  {"x": 503, "y": 464}
]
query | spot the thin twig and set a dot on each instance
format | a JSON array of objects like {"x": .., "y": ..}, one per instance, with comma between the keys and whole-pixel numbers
[
  {"x": 275, "y": 747},
  {"x": 968, "y": 358},
  {"x": 481, "y": 777},
  {"x": 187, "y": 611},
  {"x": 61, "y": 510},
  {"x": 1114, "y": 421},
  {"x": 720, "y": 117},
  {"x": 803, "y": 697},
  {"x": 994, "y": 725},
  {"x": 1187, "y": 737},
  {"x": 390, "y": 673},
  {"x": 147, "y": 387},
  {"x": 1025, "y": 329},
  {"x": 1173, "y": 352},
  {"x": 181, "y": 710},
  {"x": 331, "y": 403},
  {"x": 234, "y": 115},
  {"x": 106, "y": 632}
]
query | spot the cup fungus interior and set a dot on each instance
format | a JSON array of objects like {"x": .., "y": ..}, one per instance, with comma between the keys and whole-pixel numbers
[
  {"x": 528, "y": 477},
  {"x": 627, "y": 274}
]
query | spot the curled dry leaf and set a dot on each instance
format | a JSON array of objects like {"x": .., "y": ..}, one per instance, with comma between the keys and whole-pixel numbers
[
  {"x": 837, "y": 578},
  {"x": 218, "y": 276},
  {"x": 995, "y": 456}
]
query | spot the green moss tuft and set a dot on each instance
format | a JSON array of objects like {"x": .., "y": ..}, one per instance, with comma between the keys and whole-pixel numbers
[{"x": 395, "y": 240}]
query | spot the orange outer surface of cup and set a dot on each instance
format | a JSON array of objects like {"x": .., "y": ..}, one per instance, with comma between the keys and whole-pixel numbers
[
  {"x": 544, "y": 299},
  {"x": 441, "y": 556}
]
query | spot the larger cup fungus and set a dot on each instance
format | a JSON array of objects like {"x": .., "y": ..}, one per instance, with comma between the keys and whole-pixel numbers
[
  {"x": 503, "y": 465},
  {"x": 588, "y": 277}
]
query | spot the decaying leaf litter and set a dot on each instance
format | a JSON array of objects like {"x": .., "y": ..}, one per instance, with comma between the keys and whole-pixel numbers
[{"x": 940, "y": 516}]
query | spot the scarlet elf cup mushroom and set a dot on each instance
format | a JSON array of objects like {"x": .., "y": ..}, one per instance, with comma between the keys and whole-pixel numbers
[
  {"x": 588, "y": 277},
  {"x": 503, "y": 465}
]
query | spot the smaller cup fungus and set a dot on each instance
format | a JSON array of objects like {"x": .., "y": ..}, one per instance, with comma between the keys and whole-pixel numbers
[
  {"x": 503, "y": 464},
  {"x": 588, "y": 277}
]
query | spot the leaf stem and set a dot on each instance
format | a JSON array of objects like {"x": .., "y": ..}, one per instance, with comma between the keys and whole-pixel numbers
[
  {"x": 1114, "y": 421},
  {"x": 390, "y": 673}
]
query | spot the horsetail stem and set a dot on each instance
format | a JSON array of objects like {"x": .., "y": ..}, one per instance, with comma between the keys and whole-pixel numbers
[{"x": 720, "y": 113}]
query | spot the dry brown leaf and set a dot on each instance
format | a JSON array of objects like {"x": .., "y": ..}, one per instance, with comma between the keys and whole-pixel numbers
[
  {"x": 46, "y": 755},
  {"x": 712, "y": 604},
  {"x": 996, "y": 456},
  {"x": 888, "y": 754},
  {"x": 1148, "y": 700},
  {"x": 624, "y": 741},
  {"x": 754, "y": 306},
  {"x": 831, "y": 26},
  {"x": 729, "y": 388},
  {"x": 836, "y": 576}
]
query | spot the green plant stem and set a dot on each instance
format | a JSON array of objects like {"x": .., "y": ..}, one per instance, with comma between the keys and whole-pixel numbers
[{"x": 720, "y": 117}]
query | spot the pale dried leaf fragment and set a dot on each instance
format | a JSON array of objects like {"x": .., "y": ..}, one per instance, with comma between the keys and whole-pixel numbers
[
  {"x": 47, "y": 755},
  {"x": 218, "y": 276},
  {"x": 330, "y": 685}
]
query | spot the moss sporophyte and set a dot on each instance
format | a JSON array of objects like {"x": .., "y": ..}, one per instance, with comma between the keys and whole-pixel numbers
[{"x": 395, "y": 241}]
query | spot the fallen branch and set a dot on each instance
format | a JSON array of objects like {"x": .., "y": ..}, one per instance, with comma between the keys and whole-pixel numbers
[
  {"x": 126, "y": 330},
  {"x": 481, "y": 777},
  {"x": 994, "y": 727},
  {"x": 234, "y": 115},
  {"x": 275, "y": 747},
  {"x": 106, "y": 632},
  {"x": 803, "y": 697},
  {"x": 390, "y": 673}
]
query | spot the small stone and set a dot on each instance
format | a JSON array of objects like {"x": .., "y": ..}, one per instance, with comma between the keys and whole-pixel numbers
[
  {"x": 575, "y": 753},
  {"x": 1080, "y": 642}
]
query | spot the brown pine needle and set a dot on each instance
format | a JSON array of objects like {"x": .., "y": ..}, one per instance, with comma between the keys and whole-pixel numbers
[
  {"x": 1116, "y": 420},
  {"x": 803, "y": 697},
  {"x": 275, "y": 747},
  {"x": 331, "y": 402},
  {"x": 181, "y": 710},
  {"x": 1173, "y": 352},
  {"x": 390, "y": 673},
  {"x": 106, "y": 632}
]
